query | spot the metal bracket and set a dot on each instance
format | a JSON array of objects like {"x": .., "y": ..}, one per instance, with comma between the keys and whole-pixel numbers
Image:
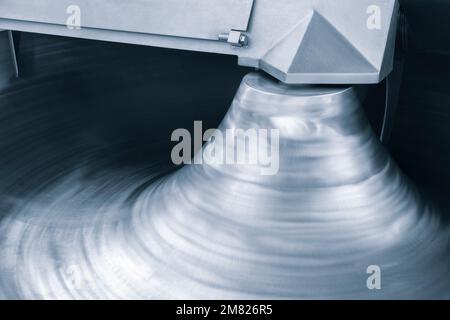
[{"x": 235, "y": 38}]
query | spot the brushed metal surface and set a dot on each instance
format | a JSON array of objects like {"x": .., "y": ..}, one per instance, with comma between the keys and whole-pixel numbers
[
  {"x": 202, "y": 19},
  {"x": 307, "y": 41}
]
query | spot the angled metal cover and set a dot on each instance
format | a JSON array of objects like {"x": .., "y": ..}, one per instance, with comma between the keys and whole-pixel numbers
[
  {"x": 325, "y": 41},
  {"x": 200, "y": 19},
  {"x": 296, "y": 41},
  {"x": 314, "y": 46}
]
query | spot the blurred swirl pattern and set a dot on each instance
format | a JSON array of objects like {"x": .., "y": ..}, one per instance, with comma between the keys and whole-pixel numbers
[{"x": 91, "y": 207}]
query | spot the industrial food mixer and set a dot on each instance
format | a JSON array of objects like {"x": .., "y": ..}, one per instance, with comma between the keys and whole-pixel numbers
[{"x": 293, "y": 196}]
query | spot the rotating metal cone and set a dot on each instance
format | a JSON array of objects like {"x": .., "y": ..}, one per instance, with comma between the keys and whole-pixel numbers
[{"x": 337, "y": 207}]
